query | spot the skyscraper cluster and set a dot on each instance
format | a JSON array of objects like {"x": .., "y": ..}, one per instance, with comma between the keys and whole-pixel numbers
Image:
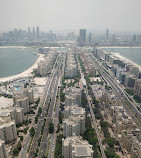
[{"x": 33, "y": 33}]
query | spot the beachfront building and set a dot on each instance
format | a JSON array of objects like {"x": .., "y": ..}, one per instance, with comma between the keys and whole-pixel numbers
[
  {"x": 137, "y": 88},
  {"x": 45, "y": 66},
  {"x": 30, "y": 94},
  {"x": 73, "y": 96},
  {"x": 24, "y": 97},
  {"x": 22, "y": 101},
  {"x": 129, "y": 80},
  {"x": 8, "y": 132},
  {"x": 2, "y": 149},
  {"x": 76, "y": 147},
  {"x": 15, "y": 113}
]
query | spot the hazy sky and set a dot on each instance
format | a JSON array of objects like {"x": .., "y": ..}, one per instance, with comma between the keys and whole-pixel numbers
[{"x": 71, "y": 14}]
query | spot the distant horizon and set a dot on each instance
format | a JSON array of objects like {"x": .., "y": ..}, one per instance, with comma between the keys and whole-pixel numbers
[{"x": 76, "y": 31}]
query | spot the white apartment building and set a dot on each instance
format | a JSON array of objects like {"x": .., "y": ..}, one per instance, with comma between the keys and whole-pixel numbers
[
  {"x": 15, "y": 113},
  {"x": 22, "y": 101},
  {"x": 73, "y": 125},
  {"x": 30, "y": 94},
  {"x": 2, "y": 149},
  {"x": 76, "y": 147},
  {"x": 8, "y": 132},
  {"x": 72, "y": 96},
  {"x": 74, "y": 110}
]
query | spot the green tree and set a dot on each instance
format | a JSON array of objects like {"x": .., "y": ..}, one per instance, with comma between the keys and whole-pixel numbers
[
  {"x": 17, "y": 149},
  {"x": 51, "y": 128},
  {"x": 32, "y": 132},
  {"x": 21, "y": 138},
  {"x": 111, "y": 141}
]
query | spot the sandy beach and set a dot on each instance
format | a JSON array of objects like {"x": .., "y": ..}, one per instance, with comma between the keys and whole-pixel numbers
[
  {"x": 26, "y": 72},
  {"x": 123, "y": 58},
  {"x": 122, "y": 47},
  {"x": 126, "y": 60}
]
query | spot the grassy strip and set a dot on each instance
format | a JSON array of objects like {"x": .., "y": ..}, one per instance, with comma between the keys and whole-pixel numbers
[
  {"x": 58, "y": 147},
  {"x": 48, "y": 148}
]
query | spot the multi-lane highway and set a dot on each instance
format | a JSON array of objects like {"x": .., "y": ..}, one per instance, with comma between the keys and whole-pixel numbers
[
  {"x": 128, "y": 105},
  {"x": 49, "y": 98}
]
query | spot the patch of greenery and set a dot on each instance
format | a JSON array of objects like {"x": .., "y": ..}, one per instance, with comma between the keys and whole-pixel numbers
[
  {"x": 58, "y": 147},
  {"x": 137, "y": 98},
  {"x": 129, "y": 91},
  {"x": 32, "y": 131},
  {"x": 107, "y": 87},
  {"x": 17, "y": 149},
  {"x": 110, "y": 153},
  {"x": 51, "y": 128}
]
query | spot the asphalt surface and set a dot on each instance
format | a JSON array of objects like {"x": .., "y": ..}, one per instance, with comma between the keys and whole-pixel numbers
[{"x": 50, "y": 89}]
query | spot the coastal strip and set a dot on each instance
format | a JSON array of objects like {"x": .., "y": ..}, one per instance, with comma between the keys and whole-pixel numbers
[{"x": 118, "y": 55}]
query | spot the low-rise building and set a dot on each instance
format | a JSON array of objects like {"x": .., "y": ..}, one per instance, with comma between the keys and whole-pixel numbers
[{"x": 76, "y": 147}]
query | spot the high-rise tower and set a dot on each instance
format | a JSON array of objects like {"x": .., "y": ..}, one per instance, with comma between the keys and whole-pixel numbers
[
  {"x": 82, "y": 37},
  {"x": 107, "y": 34},
  {"x": 37, "y": 32}
]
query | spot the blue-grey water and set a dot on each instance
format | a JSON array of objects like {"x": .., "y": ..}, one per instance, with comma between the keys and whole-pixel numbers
[
  {"x": 16, "y": 60},
  {"x": 134, "y": 54}
]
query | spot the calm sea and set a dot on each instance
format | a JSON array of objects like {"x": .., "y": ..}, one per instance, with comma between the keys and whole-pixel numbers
[
  {"x": 15, "y": 60},
  {"x": 134, "y": 54}
]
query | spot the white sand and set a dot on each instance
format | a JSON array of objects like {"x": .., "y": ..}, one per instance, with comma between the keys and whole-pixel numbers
[
  {"x": 123, "y": 58},
  {"x": 26, "y": 72},
  {"x": 21, "y": 47},
  {"x": 126, "y": 60},
  {"x": 5, "y": 102},
  {"x": 122, "y": 47}
]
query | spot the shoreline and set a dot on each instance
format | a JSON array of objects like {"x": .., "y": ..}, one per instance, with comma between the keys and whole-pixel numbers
[
  {"x": 126, "y": 60},
  {"x": 122, "y": 47},
  {"x": 27, "y": 72}
]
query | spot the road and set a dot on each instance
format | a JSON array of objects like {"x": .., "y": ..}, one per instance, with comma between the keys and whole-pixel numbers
[
  {"x": 51, "y": 87},
  {"x": 50, "y": 139},
  {"x": 128, "y": 105},
  {"x": 55, "y": 115}
]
